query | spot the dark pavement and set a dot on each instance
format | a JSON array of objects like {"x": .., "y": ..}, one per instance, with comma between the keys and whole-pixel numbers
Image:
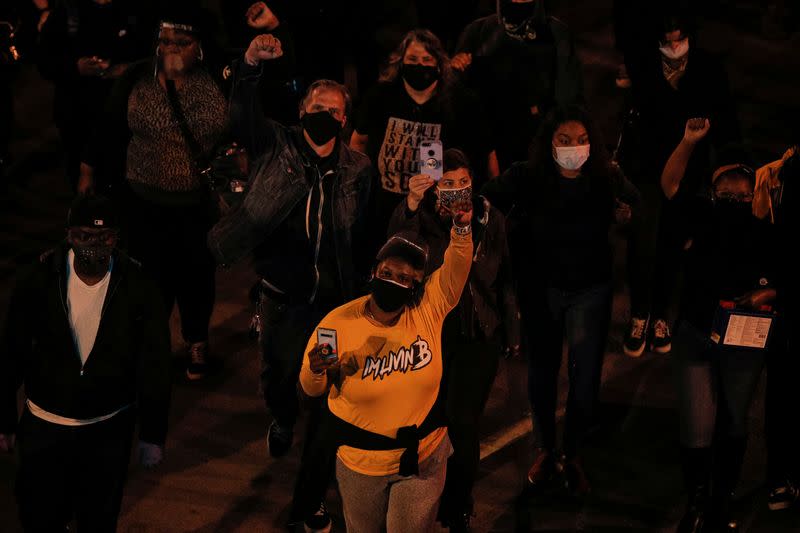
[{"x": 217, "y": 476}]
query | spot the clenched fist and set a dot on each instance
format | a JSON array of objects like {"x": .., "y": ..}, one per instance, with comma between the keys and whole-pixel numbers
[
  {"x": 696, "y": 129},
  {"x": 263, "y": 48},
  {"x": 261, "y": 17}
]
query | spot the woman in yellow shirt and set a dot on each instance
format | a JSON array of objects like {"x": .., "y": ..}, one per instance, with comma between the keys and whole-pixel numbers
[{"x": 391, "y": 447}]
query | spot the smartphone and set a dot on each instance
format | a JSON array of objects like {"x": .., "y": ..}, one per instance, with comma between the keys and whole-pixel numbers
[
  {"x": 430, "y": 159},
  {"x": 326, "y": 338}
]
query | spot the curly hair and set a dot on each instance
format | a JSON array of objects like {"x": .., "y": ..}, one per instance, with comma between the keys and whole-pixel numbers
[{"x": 432, "y": 45}]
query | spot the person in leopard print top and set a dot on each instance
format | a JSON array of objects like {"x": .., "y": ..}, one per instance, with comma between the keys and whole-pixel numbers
[{"x": 166, "y": 198}]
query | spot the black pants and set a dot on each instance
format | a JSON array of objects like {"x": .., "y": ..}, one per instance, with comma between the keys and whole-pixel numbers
[
  {"x": 72, "y": 472},
  {"x": 170, "y": 242},
  {"x": 285, "y": 330},
  {"x": 653, "y": 255},
  {"x": 470, "y": 369},
  {"x": 582, "y": 319},
  {"x": 782, "y": 431},
  {"x": 715, "y": 387}
]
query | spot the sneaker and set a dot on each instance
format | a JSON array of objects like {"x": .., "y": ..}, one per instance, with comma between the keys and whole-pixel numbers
[
  {"x": 661, "y": 338},
  {"x": 576, "y": 481},
  {"x": 544, "y": 468},
  {"x": 319, "y": 522},
  {"x": 636, "y": 338},
  {"x": 783, "y": 497},
  {"x": 279, "y": 439},
  {"x": 198, "y": 361}
]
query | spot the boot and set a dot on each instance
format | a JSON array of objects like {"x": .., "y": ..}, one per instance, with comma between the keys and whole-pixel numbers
[
  {"x": 728, "y": 460},
  {"x": 696, "y": 474}
]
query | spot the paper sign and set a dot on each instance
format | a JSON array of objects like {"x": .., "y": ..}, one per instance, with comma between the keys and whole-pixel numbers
[{"x": 747, "y": 331}]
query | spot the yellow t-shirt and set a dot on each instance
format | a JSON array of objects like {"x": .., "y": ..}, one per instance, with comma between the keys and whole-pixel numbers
[{"x": 389, "y": 375}]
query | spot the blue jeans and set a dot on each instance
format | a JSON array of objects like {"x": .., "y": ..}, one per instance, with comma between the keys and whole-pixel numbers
[{"x": 581, "y": 318}]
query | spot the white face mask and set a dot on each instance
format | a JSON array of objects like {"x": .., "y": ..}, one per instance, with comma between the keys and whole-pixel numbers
[
  {"x": 572, "y": 157},
  {"x": 677, "y": 53}
]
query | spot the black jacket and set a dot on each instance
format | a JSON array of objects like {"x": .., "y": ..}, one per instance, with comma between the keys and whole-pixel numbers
[
  {"x": 491, "y": 296},
  {"x": 555, "y": 243},
  {"x": 279, "y": 180},
  {"x": 129, "y": 363}
]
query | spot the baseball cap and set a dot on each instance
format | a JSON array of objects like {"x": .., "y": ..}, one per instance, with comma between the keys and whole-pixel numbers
[
  {"x": 407, "y": 245},
  {"x": 94, "y": 211}
]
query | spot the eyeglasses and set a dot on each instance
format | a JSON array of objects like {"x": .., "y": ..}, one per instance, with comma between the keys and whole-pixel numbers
[{"x": 725, "y": 196}]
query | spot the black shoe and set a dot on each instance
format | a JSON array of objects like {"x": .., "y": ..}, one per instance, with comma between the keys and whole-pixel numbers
[
  {"x": 783, "y": 496},
  {"x": 279, "y": 439},
  {"x": 636, "y": 338},
  {"x": 696, "y": 464},
  {"x": 319, "y": 522},
  {"x": 198, "y": 361},
  {"x": 661, "y": 337}
]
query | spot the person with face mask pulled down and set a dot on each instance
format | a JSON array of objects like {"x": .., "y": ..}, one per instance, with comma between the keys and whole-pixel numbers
[
  {"x": 730, "y": 269},
  {"x": 383, "y": 422},
  {"x": 302, "y": 218},
  {"x": 484, "y": 325},
  {"x": 561, "y": 205},
  {"x": 87, "y": 336}
]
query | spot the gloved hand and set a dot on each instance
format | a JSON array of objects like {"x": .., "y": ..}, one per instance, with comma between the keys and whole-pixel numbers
[{"x": 150, "y": 455}]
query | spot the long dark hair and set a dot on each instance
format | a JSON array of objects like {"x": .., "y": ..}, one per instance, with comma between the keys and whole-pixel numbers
[{"x": 541, "y": 150}]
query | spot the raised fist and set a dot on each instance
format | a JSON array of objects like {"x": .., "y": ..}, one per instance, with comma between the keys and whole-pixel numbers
[
  {"x": 261, "y": 17},
  {"x": 262, "y": 48}
]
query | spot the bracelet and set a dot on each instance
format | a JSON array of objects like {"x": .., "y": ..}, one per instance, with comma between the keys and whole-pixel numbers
[{"x": 462, "y": 230}]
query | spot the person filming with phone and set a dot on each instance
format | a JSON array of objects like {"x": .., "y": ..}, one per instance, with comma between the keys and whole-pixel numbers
[
  {"x": 383, "y": 422},
  {"x": 484, "y": 325}
]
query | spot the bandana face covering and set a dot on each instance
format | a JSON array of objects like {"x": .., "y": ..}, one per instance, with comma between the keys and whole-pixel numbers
[{"x": 450, "y": 197}]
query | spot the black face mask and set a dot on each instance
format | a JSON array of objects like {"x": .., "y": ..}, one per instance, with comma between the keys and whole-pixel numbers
[
  {"x": 419, "y": 77},
  {"x": 733, "y": 213},
  {"x": 390, "y": 296},
  {"x": 321, "y": 126},
  {"x": 92, "y": 260},
  {"x": 516, "y": 13}
]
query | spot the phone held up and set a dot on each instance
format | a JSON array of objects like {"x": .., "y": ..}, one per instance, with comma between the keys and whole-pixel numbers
[
  {"x": 430, "y": 159},
  {"x": 326, "y": 339}
]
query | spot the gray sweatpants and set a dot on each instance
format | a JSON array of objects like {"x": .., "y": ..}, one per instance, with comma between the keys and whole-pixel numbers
[{"x": 395, "y": 504}]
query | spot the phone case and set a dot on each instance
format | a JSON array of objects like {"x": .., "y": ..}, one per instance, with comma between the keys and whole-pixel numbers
[{"x": 430, "y": 159}]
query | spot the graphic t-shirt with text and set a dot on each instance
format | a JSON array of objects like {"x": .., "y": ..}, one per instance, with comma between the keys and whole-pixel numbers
[{"x": 389, "y": 376}]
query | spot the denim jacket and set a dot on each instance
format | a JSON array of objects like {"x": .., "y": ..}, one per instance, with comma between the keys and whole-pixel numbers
[{"x": 278, "y": 181}]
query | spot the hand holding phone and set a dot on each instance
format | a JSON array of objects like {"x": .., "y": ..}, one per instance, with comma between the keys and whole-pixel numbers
[{"x": 326, "y": 339}]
